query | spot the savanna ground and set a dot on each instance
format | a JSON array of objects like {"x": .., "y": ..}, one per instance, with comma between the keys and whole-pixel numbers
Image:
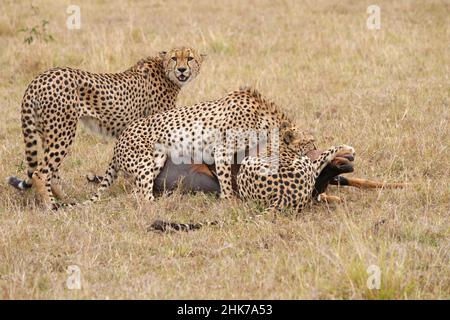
[{"x": 385, "y": 92}]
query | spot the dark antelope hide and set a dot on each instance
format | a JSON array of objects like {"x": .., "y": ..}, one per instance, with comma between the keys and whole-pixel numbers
[{"x": 201, "y": 178}]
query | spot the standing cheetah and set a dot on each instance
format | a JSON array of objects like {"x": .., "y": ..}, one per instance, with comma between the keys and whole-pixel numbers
[{"x": 57, "y": 99}]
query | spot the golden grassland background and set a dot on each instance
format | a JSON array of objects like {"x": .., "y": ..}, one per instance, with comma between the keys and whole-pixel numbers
[{"x": 385, "y": 92}]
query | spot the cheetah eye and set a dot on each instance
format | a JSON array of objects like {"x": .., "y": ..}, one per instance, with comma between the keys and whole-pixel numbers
[
  {"x": 190, "y": 58},
  {"x": 174, "y": 58}
]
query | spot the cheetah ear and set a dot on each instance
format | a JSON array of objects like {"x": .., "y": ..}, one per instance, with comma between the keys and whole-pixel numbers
[
  {"x": 203, "y": 56},
  {"x": 284, "y": 124},
  {"x": 288, "y": 136},
  {"x": 162, "y": 54}
]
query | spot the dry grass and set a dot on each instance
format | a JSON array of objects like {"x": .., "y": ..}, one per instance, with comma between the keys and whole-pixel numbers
[{"x": 385, "y": 92}]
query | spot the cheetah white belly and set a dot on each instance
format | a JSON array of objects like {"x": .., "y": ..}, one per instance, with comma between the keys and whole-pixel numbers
[{"x": 93, "y": 125}]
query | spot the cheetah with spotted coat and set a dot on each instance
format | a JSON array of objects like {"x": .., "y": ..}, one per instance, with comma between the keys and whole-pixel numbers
[
  {"x": 56, "y": 100},
  {"x": 144, "y": 146},
  {"x": 292, "y": 185}
]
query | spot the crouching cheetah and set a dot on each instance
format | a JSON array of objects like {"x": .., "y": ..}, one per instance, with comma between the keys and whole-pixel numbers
[
  {"x": 144, "y": 146},
  {"x": 57, "y": 99},
  {"x": 292, "y": 185}
]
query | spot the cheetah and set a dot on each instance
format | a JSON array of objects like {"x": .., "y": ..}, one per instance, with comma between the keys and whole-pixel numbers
[
  {"x": 292, "y": 185},
  {"x": 144, "y": 146},
  {"x": 57, "y": 99}
]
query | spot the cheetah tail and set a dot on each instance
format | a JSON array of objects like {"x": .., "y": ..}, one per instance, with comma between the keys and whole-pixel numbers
[
  {"x": 166, "y": 226},
  {"x": 28, "y": 118}
]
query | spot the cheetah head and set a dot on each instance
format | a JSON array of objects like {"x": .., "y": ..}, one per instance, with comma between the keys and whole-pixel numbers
[
  {"x": 181, "y": 65},
  {"x": 296, "y": 139}
]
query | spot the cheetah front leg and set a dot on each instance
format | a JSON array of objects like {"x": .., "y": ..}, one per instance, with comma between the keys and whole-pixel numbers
[
  {"x": 328, "y": 155},
  {"x": 222, "y": 160}
]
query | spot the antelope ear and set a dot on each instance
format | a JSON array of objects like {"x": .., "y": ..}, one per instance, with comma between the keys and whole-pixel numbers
[{"x": 162, "y": 54}]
